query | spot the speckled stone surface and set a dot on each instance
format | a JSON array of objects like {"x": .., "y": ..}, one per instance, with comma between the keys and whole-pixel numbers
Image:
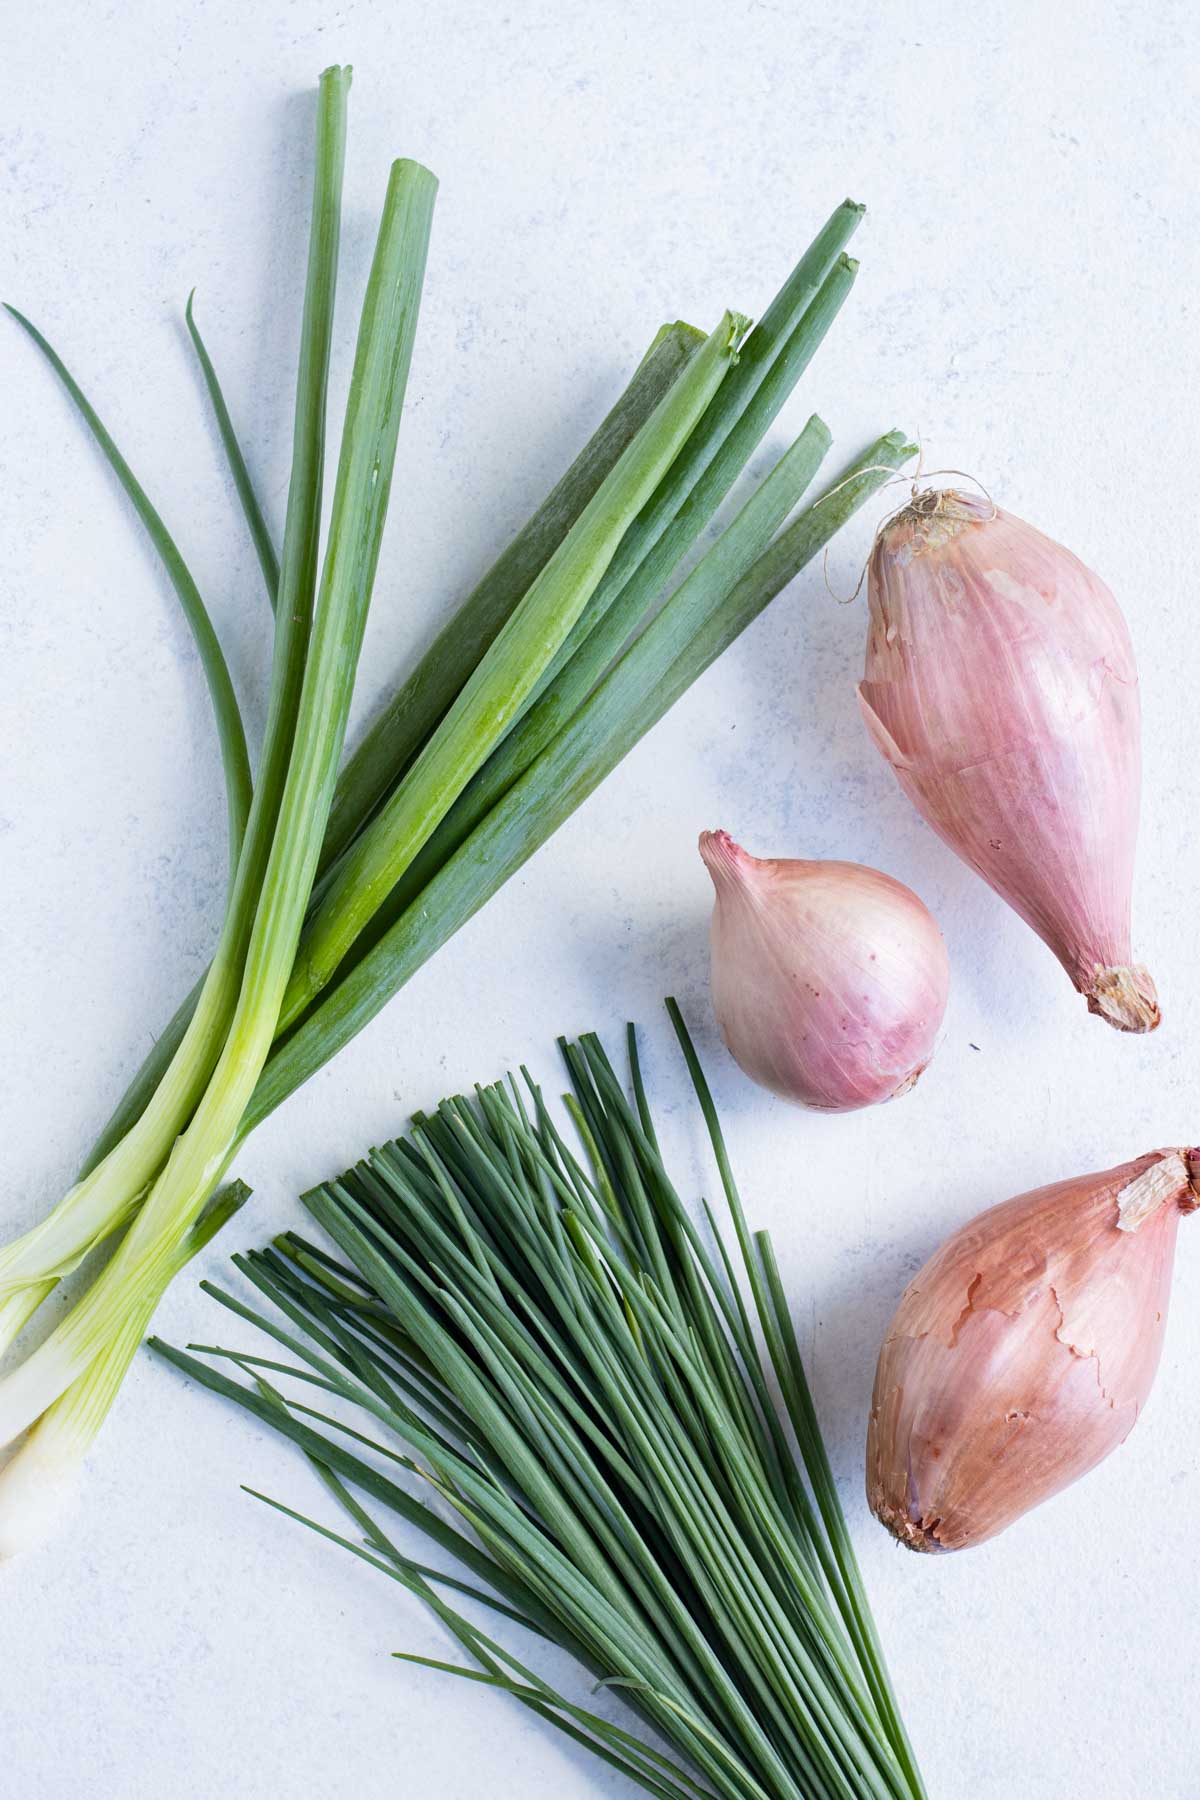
[{"x": 1026, "y": 302}]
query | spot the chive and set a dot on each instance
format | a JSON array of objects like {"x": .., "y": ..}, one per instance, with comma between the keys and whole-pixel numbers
[
  {"x": 231, "y": 735},
  {"x": 841, "y": 1564},
  {"x": 607, "y": 1452},
  {"x": 110, "y": 1188},
  {"x": 426, "y": 695},
  {"x": 550, "y": 790},
  {"x": 377, "y": 388},
  {"x": 497, "y": 690},
  {"x": 257, "y": 524},
  {"x": 802, "y": 1414}
]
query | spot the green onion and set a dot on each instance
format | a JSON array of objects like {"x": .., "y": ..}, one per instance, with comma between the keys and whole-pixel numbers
[
  {"x": 422, "y": 699},
  {"x": 109, "y": 1191},
  {"x": 543, "y": 1338},
  {"x": 39, "y": 1488},
  {"x": 777, "y": 352},
  {"x": 573, "y": 766},
  {"x": 506, "y": 675},
  {"x": 140, "y": 1266},
  {"x": 259, "y": 532},
  {"x": 779, "y": 347},
  {"x": 734, "y": 438},
  {"x": 230, "y": 733},
  {"x": 426, "y": 695},
  {"x": 773, "y": 358},
  {"x": 520, "y": 708}
]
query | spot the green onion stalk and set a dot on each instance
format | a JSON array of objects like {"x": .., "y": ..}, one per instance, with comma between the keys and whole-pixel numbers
[
  {"x": 544, "y": 1339},
  {"x": 421, "y": 700},
  {"x": 343, "y": 885},
  {"x": 505, "y": 678},
  {"x": 109, "y": 1191}
]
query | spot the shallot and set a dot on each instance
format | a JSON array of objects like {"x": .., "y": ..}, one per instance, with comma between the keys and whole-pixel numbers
[
  {"x": 1023, "y": 1352},
  {"x": 829, "y": 979},
  {"x": 1000, "y": 684}
]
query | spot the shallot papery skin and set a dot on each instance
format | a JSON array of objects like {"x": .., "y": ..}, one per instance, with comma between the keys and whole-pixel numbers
[
  {"x": 829, "y": 979},
  {"x": 1023, "y": 1352},
  {"x": 1000, "y": 684}
]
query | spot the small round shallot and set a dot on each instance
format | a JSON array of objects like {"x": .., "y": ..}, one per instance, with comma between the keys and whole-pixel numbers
[{"x": 829, "y": 979}]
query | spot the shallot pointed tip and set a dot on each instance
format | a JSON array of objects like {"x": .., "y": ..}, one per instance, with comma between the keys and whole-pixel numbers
[
  {"x": 725, "y": 860},
  {"x": 1126, "y": 998}
]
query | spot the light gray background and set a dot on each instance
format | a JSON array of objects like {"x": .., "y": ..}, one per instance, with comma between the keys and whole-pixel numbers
[{"x": 1026, "y": 303}]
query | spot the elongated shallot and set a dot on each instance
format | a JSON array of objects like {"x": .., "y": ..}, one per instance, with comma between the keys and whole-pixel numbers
[{"x": 1001, "y": 686}]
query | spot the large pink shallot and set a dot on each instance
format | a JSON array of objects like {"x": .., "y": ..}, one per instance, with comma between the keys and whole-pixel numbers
[
  {"x": 1000, "y": 685},
  {"x": 829, "y": 979},
  {"x": 1023, "y": 1352}
]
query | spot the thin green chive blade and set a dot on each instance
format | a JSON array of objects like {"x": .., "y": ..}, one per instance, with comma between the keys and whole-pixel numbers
[{"x": 622, "y": 1472}]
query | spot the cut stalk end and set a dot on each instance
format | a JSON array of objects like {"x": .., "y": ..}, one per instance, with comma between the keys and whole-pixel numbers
[
  {"x": 1125, "y": 997},
  {"x": 39, "y": 1493}
]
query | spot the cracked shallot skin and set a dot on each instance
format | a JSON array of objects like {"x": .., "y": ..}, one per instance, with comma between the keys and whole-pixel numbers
[
  {"x": 1000, "y": 684},
  {"x": 1022, "y": 1353}
]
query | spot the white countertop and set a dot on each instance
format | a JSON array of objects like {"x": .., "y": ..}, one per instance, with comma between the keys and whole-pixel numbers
[{"x": 1026, "y": 302}]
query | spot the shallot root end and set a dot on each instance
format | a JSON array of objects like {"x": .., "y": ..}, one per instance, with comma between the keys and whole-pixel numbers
[
  {"x": 1126, "y": 998},
  {"x": 913, "y": 1534},
  {"x": 910, "y": 1081}
]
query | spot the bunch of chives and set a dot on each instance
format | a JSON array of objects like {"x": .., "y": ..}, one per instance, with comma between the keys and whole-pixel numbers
[
  {"x": 546, "y": 1340},
  {"x": 342, "y": 886}
]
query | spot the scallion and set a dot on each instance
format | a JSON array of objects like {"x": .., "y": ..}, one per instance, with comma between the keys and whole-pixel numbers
[
  {"x": 506, "y": 674},
  {"x": 197, "y": 1159},
  {"x": 104, "y": 1196},
  {"x": 386, "y": 750},
  {"x": 521, "y": 706}
]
